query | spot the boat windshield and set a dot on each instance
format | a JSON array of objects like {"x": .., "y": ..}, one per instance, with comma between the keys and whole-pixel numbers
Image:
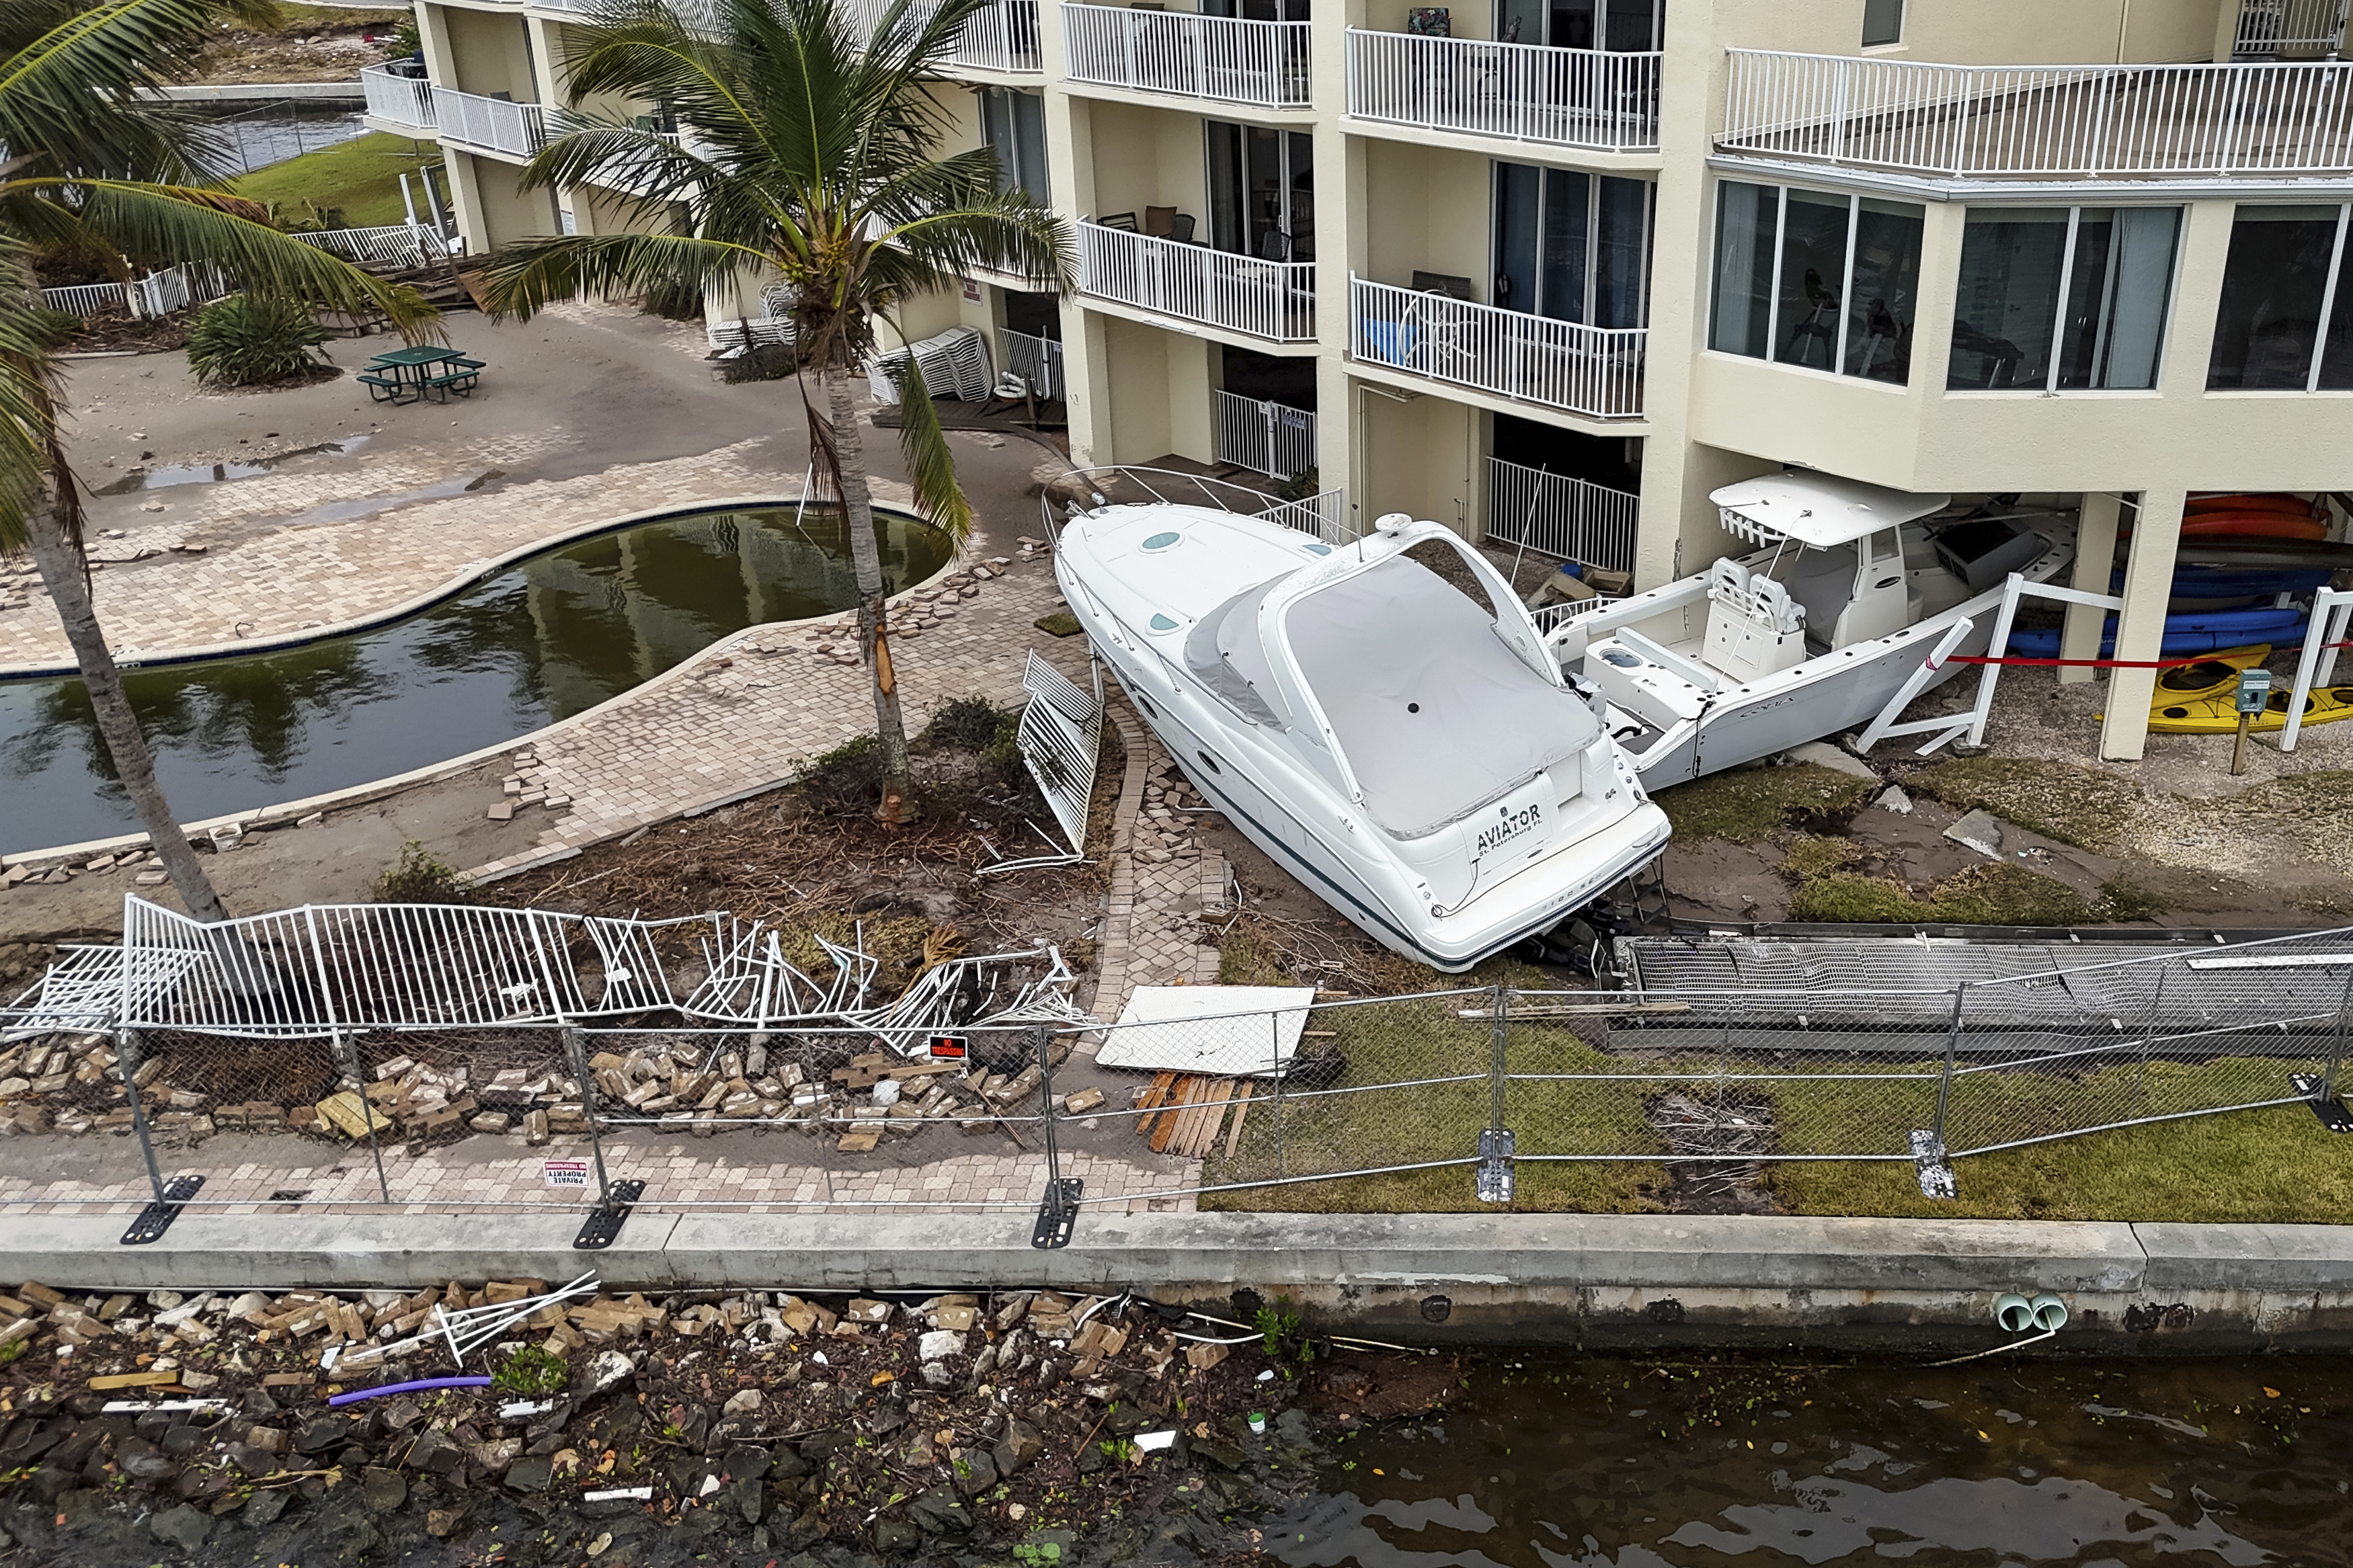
[
  {"x": 1227, "y": 654},
  {"x": 1435, "y": 713}
]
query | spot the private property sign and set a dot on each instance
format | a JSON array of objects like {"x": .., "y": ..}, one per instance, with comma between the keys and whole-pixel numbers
[{"x": 567, "y": 1173}]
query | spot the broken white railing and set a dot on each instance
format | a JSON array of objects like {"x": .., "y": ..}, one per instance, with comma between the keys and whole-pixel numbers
[
  {"x": 2332, "y": 612},
  {"x": 1060, "y": 737},
  {"x": 1971, "y": 720}
]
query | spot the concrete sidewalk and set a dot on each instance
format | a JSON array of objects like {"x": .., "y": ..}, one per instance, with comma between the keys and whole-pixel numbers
[{"x": 1597, "y": 1281}]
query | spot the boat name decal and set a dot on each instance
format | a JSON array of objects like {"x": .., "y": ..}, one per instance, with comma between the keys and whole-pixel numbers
[{"x": 1512, "y": 824}]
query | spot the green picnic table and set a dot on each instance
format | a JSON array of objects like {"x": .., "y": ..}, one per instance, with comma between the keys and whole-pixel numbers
[{"x": 410, "y": 376}]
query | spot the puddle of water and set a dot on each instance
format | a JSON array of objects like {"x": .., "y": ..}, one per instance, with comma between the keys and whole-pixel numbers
[
  {"x": 548, "y": 637},
  {"x": 219, "y": 473},
  {"x": 1604, "y": 1464}
]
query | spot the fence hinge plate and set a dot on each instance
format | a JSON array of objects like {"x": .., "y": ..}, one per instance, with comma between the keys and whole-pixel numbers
[
  {"x": 157, "y": 1218},
  {"x": 1497, "y": 1145},
  {"x": 2328, "y": 1107},
  {"x": 1933, "y": 1165},
  {"x": 603, "y": 1225},
  {"x": 1058, "y": 1213}
]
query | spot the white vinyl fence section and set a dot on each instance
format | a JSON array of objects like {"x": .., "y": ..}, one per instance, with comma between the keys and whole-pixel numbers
[
  {"x": 1001, "y": 36},
  {"x": 2290, "y": 27},
  {"x": 142, "y": 299},
  {"x": 1522, "y": 92},
  {"x": 2041, "y": 121},
  {"x": 386, "y": 245},
  {"x": 398, "y": 99},
  {"x": 1271, "y": 439},
  {"x": 1535, "y": 359},
  {"x": 1222, "y": 58},
  {"x": 1270, "y": 300},
  {"x": 491, "y": 124},
  {"x": 1568, "y": 519},
  {"x": 85, "y": 299},
  {"x": 1035, "y": 360}
]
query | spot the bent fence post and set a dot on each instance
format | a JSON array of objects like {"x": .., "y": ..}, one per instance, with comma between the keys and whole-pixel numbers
[
  {"x": 1058, "y": 1213},
  {"x": 1496, "y": 1143},
  {"x": 577, "y": 1052},
  {"x": 126, "y": 1050}
]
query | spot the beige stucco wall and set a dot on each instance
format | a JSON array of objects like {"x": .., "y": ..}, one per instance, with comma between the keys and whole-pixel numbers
[
  {"x": 1433, "y": 213},
  {"x": 1150, "y": 157},
  {"x": 489, "y": 54},
  {"x": 1970, "y": 32}
]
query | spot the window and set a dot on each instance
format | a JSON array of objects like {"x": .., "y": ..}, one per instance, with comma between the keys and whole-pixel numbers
[
  {"x": 1809, "y": 278},
  {"x": 1573, "y": 247},
  {"x": 1262, "y": 191},
  {"x": 1624, "y": 26},
  {"x": 2285, "y": 324},
  {"x": 2062, "y": 298},
  {"x": 1013, "y": 124},
  {"x": 1883, "y": 22}
]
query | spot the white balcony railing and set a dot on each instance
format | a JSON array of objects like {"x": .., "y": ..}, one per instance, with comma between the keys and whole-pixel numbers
[
  {"x": 2047, "y": 121},
  {"x": 1222, "y": 58},
  {"x": 1521, "y": 92},
  {"x": 1325, "y": 515},
  {"x": 1270, "y": 300},
  {"x": 1568, "y": 519},
  {"x": 1595, "y": 371},
  {"x": 2290, "y": 27},
  {"x": 1271, "y": 439},
  {"x": 1001, "y": 36},
  {"x": 491, "y": 124},
  {"x": 397, "y": 98},
  {"x": 1035, "y": 360}
]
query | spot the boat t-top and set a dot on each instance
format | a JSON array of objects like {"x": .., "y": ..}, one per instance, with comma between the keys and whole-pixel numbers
[
  {"x": 1401, "y": 744},
  {"x": 1808, "y": 635}
]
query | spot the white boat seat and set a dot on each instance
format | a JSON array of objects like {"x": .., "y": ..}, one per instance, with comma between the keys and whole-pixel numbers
[{"x": 1754, "y": 627}]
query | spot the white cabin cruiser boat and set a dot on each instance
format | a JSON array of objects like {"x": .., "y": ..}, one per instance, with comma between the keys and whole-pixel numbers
[
  {"x": 1405, "y": 749},
  {"x": 1811, "y": 634}
]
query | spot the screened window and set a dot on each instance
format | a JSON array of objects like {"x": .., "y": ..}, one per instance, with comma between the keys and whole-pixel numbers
[
  {"x": 1809, "y": 278},
  {"x": 1883, "y": 22},
  {"x": 1572, "y": 246},
  {"x": 1015, "y": 126},
  {"x": 2059, "y": 298},
  {"x": 2285, "y": 323}
]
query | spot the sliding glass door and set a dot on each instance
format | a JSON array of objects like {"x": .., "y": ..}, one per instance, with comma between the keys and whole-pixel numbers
[
  {"x": 1262, "y": 192},
  {"x": 1622, "y": 26},
  {"x": 1572, "y": 246}
]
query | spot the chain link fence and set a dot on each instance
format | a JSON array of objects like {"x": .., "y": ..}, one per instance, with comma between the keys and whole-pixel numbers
[{"x": 1444, "y": 1101}]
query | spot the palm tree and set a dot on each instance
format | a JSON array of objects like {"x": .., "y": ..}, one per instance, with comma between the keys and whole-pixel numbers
[
  {"x": 92, "y": 165},
  {"x": 807, "y": 147}
]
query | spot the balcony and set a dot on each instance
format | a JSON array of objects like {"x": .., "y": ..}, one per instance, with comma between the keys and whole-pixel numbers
[
  {"x": 395, "y": 98},
  {"x": 1593, "y": 370},
  {"x": 1222, "y": 59},
  {"x": 1515, "y": 92},
  {"x": 1273, "y": 301},
  {"x": 474, "y": 123},
  {"x": 2040, "y": 122}
]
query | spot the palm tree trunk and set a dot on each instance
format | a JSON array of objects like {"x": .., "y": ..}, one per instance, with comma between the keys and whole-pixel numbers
[
  {"x": 866, "y": 559},
  {"x": 64, "y": 574}
]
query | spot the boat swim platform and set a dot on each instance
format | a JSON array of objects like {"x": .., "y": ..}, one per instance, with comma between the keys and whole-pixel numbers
[{"x": 2197, "y": 995}]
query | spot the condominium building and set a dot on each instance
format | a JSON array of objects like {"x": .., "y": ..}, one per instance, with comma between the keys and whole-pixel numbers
[{"x": 1553, "y": 273}]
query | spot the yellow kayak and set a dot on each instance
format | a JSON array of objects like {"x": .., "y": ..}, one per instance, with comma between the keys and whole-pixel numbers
[
  {"x": 2215, "y": 676},
  {"x": 2219, "y": 715}
]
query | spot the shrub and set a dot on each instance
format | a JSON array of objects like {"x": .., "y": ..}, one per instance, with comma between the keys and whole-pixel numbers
[
  {"x": 249, "y": 340},
  {"x": 848, "y": 779},
  {"x": 964, "y": 724},
  {"x": 531, "y": 1370},
  {"x": 419, "y": 877}
]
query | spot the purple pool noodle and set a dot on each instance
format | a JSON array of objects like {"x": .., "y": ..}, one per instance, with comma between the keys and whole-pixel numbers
[{"x": 410, "y": 1387}]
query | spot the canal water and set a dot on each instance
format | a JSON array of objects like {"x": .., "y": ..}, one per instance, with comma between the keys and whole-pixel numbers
[
  {"x": 1550, "y": 1463},
  {"x": 550, "y": 637}
]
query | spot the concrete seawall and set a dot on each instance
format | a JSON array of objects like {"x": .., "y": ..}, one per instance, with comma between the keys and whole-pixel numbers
[{"x": 1599, "y": 1281}]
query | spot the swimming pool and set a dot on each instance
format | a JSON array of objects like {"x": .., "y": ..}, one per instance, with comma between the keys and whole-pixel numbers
[{"x": 544, "y": 638}]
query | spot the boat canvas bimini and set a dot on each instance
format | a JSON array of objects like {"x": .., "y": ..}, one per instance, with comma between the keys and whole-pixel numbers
[
  {"x": 1402, "y": 745},
  {"x": 1810, "y": 634}
]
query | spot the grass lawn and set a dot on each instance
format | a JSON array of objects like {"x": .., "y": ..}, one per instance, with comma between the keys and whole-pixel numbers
[
  {"x": 2275, "y": 1165},
  {"x": 361, "y": 177}
]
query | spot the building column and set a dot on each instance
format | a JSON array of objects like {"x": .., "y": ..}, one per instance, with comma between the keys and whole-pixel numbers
[
  {"x": 2095, "y": 554},
  {"x": 2140, "y": 626},
  {"x": 465, "y": 191}
]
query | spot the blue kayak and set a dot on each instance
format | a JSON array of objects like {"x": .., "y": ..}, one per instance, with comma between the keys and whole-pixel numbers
[{"x": 2207, "y": 631}]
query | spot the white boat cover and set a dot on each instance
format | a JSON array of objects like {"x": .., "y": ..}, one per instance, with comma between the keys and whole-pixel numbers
[
  {"x": 1435, "y": 714},
  {"x": 1224, "y": 1031},
  {"x": 1823, "y": 511}
]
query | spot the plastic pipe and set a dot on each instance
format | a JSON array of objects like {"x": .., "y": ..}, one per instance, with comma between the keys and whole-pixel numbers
[{"x": 421, "y": 1382}]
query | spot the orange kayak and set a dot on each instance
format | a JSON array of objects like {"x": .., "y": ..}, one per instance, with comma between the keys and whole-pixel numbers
[
  {"x": 2260, "y": 525},
  {"x": 2295, "y": 506}
]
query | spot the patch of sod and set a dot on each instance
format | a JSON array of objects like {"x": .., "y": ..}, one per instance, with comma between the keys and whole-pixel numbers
[
  {"x": 1749, "y": 804},
  {"x": 2082, "y": 806},
  {"x": 361, "y": 177}
]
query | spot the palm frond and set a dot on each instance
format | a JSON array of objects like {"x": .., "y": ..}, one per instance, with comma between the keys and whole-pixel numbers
[
  {"x": 74, "y": 92},
  {"x": 931, "y": 465},
  {"x": 525, "y": 276},
  {"x": 28, "y": 394}
]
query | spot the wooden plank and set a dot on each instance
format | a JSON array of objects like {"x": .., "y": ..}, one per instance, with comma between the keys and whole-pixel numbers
[
  {"x": 1200, "y": 1123},
  {"x": 1152, "y": 1097},
  {"x": 1163, "y": 1122},
  {"x": 136, "y": 1380},
  {"x": 1167, "y": 1127},
  {"x": 1205, "y": 1137},
  {"x": 347, "y": 1113},
  {"x": 1241, "y": 1108}
]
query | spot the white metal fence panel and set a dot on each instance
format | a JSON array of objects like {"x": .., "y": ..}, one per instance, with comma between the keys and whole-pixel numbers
[
  {"x": 1271, "y": 299},
  {"x": 397, "y": 98},
  {"x": 85, "y": 299},
  {"x": 1527, "y": 92},
  {"x": 1570, "y": 519},
  {"x": 2290, "y": 27},
  {"x": 2041, "y": 121},
  {"x": 1560, "y": 364},
  {"x": 1035, "y": 360},
  {"x": 493, "y": 124},
  {"x": 1271, "y": 439},
  {"x": 1325, "y": 515},
  {"x": 1001, "y": 36},
  {"x": 1059, "y": 738},
  {"x": 1223, "y": 58},
  {"x": 390, "y": 245}
]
